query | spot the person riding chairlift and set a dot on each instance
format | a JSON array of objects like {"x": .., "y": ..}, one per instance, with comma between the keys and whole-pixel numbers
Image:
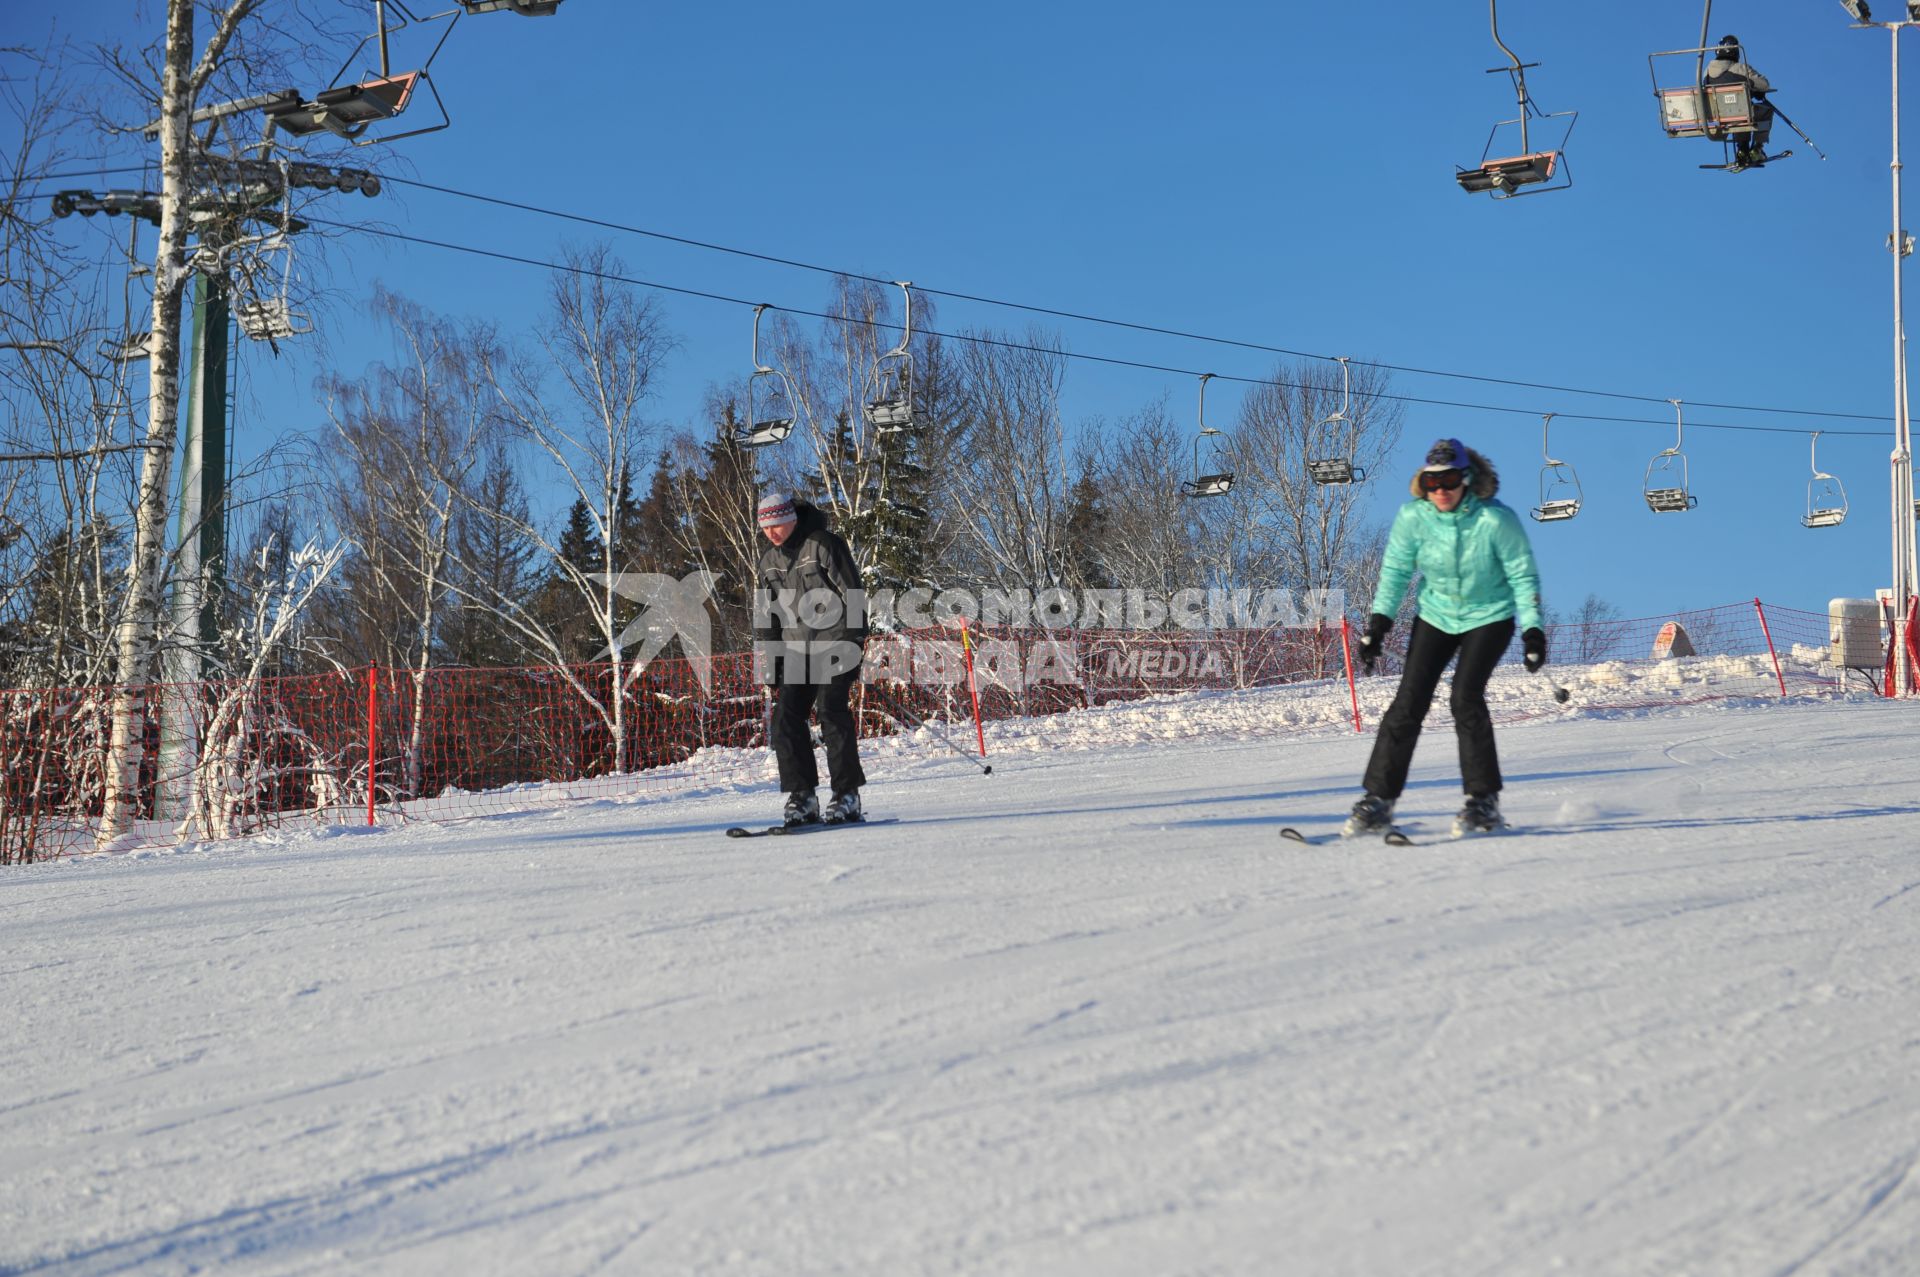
[{"x": 1729, "y": 67}]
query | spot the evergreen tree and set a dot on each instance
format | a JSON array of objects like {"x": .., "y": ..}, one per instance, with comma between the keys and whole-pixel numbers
[
  {"x": 559, "y": 607},
  {"x": 490, "y": 551},
  {"x": 580, "y": 542},
  {"x": 628, "y": 538},
  {"x": 658, "y": 531},
  {"x": 63, "y": 632},
  {"x": 721, "y": 498},
  {"x": 889, "y": 533},
  {"x": 1087, "y": 526},
  {"x": 893, "y": 533}
]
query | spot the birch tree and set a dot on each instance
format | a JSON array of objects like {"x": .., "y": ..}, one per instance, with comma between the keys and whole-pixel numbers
[
  {"x": 412, "y": 437},
  {"x": 1144, "y": 460},
  {"x": 185, "y": 70},
  {"x": 1296, "y": 533},
  {"x": 240, "y": 767},
  {"x": 866, "y": 479},
  {"x": 714, "y": 486},
  {"x": 604, "y": 345},
  {"x": 64, "y": 449},
  {"x": 1006, "y": 488}
]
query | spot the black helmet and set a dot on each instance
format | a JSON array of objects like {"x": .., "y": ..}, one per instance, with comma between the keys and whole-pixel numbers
[{"x": 1729, "y": 44}]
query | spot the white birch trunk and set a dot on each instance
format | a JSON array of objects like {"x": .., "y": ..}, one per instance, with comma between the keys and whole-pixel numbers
[{"x": 139, "y": 625}]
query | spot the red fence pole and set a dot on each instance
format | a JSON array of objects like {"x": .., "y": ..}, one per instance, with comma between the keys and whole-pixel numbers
[
  {"x": 1913, "y": 645},
  {"x": 373, "y": 728},
  {"x": 1353, "y": 688},
  {"x": 1770, "y": 652},
  {"x": 973, "y": 690},
  {"x": 1893, "y": 637}
]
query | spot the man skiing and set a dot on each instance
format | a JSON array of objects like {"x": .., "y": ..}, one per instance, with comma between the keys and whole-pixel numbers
[
  {"x": 1477, "y": 575},
  {"x": 809, "y": 625}
]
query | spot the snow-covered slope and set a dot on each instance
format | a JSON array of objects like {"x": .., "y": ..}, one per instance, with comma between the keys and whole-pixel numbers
[{"x": 1085, "y": 1015}]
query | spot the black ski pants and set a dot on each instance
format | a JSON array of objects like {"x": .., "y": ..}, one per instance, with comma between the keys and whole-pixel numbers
[
  {"x": 1428, "y": 651},
  {"x": 793, "y": 743}
]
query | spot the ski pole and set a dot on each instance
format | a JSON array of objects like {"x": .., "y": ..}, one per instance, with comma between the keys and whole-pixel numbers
[
  {"x": 986, "y": 769},
  {"x": 1796, "y": 128},
  {"x": 1560, "y": 693}
]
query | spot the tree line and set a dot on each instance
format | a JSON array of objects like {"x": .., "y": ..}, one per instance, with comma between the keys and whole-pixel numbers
[{"x": 485, "y": 488}]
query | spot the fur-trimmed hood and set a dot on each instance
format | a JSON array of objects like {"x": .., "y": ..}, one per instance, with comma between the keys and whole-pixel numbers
[{"x": 1486, "y": 479}]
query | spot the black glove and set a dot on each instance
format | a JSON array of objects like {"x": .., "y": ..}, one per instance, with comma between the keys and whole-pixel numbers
[
  {"x": 1534, "y": 643},
  {"x": 1377, "y": 627}
]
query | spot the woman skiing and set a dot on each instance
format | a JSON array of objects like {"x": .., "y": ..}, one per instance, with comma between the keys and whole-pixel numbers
[{"x": 1477, "y": 576}]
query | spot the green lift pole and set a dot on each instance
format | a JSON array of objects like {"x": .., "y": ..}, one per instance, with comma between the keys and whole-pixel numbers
[
  {"x": 202, "y": 533},
  {"x": 200, "y": 540}
]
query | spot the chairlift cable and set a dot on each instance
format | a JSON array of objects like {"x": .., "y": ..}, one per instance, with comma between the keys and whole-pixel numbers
[
  {"x": 23, "y": 176},
  {"x": 1081, "y": 317},
  {"x": 1083, "y": 356}
]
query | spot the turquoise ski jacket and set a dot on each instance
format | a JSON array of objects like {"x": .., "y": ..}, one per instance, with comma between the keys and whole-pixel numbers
[{"x": 1476, "y": 564}]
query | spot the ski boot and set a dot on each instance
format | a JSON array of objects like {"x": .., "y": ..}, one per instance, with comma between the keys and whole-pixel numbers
[
  {"x": 1371, "y": 815},
  {"x": 844, "y": 809},
  {"x": 1480, "y": 815},
  {"x": 802, "y": 809}
]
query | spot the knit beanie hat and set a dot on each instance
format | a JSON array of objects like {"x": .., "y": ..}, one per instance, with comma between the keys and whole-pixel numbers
[
  {"x": 1447, "y": 454},
  {"x": 776, "y": 508}
]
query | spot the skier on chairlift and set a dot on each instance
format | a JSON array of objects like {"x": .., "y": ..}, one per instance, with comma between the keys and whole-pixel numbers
[{"x": 1729, "y": 67}]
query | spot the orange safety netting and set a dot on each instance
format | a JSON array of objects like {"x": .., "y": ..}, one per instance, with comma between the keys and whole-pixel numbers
[{"x": 229, "y": 759}]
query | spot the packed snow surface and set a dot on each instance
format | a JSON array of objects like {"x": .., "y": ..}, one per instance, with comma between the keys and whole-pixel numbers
[{"x": 1089, "y": 1014}]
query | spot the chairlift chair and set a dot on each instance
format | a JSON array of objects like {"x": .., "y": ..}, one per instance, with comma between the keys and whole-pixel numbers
[
  {"x": 349, "y": 111},
  {"x": 525, "y": 8},
  {"x": 1560, "y": 493},
  {"x": 269, "y": 315},
  {"x": 1332, "y": 470},
  {"x": 345, "y": 111},
  {"x": 888, "y": 402},
  {"x": 1212, "y": 456},
  {"x": 127, "y": 348},
  {"x": 769, "y": 420},
  {"x": 1665, "y": 487},
  {"x": 1826, "y": 495},
  {"x": 1529, "y": 172},
  {"x": 1726, "y": 113}
]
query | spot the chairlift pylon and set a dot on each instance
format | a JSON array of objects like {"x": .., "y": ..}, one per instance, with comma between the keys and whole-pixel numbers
[
  {"x": 1826, "y": 495},
  {"x": 769, "y": 420},
  {"x": 888, "y": 402},
  {"x": 1529, "y": 172},
  {"x": 1212, "y": 455},
  {"x": 1560, "y": 493},
  {"x": 1665, "y": 487},
  {"x": 1332, "y": 470}
]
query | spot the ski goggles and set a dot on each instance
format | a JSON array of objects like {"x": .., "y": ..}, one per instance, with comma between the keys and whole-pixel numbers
[{"x": 1441, "y": 480}]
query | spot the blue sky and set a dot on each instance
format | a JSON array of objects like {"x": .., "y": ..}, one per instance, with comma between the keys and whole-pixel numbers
[{"x": 1280, "y": 174}]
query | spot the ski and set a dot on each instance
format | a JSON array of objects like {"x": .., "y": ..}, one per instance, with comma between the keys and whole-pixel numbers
[
  {"x": 781, "y": 831},
  {"x": 1394, "y": 836},
  {"x": 1741, "y": 168}
]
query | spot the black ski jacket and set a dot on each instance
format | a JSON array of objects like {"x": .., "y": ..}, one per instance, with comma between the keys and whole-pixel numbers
[{"x": 813, "y": 558}]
